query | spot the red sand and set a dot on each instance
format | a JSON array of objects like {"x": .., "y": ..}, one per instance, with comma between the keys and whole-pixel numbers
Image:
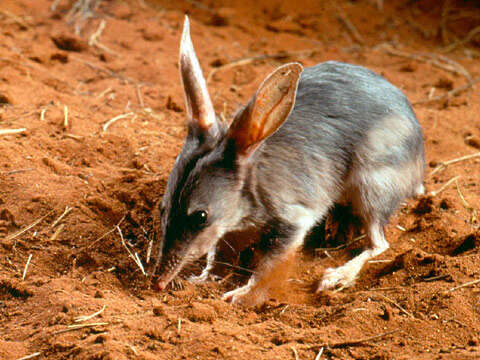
[{"x": 79, "y": 265}]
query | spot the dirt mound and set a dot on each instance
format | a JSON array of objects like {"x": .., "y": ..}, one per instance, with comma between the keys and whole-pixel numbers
[{"x": 94, "y": 108}]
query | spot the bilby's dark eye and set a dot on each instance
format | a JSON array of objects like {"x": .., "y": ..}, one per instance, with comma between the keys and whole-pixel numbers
[{"x": 198, "y": 219}]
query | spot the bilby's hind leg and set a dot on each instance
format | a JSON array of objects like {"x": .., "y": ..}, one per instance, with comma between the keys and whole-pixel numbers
[
  {"x": 346, "y": 274},
  {"x": 206, "y": 271}
]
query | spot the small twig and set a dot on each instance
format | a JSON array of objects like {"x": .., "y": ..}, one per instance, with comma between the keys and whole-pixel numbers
[
  {"x": 340, "y": 247},
  {"x": 449, "y": 94},
  {"x": 88, "y": 317},
  {"x": 464, "y": 285},
  {"x": 248, "y": 60},
  {"x": 444, "y": 186},
  {"x": 464, "y": 41},
  {"x": 383, "y": 289},
  {"x": 15, "y": 18},
  {"x": 235, "y": 266},
  {"x": 65, "y": 213},
  {"x": 444, "y": 164},
  {"x": 135, "y": 259},
  {"x": 35, "y": 223},
  {"x": 179, "y": 325},
  {"x": 435, "y": 278},
  {"x": 350, "y": 27},
  {"x": 78, "y": 327},
  {"x": 31, "y": 356},
  {"x": 12, "y": 131},
  {"x": 348, "y": 343},
  {"x": 397, "y": 305},
  {"x": 26, "y": 267},
  {"x": 439, "y": 61},
  {"x": 466, "y": 205},
  {"x": 94, "y": 39},
  {"x": 105, "y": 71},
  {"x": 116, "y": 118}
]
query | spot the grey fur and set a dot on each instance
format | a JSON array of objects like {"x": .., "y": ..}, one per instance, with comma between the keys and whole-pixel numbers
[{"x": 351, "y": 137}]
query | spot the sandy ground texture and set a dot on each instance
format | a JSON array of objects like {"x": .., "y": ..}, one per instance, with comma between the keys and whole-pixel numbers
[{"x": 95, "y": 102}]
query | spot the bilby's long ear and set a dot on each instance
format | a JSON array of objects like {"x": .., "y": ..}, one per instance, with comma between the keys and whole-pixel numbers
[
  {"x": 199, "y": 106},
  {"x": 266, "y": 111}
]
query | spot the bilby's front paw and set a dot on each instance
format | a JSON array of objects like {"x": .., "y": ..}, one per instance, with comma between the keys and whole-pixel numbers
[
  {"x": 200, "y": 279},
  {"x": 337, "y": 277},
  {"x": 246, "y": 295},
  {"x": 203, "y": 277}
]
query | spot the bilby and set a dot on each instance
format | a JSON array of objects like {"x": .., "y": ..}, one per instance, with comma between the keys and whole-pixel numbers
[{"x": 307, "y": 139}]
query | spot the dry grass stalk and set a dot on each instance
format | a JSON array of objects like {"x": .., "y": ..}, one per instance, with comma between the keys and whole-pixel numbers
[
  {"x": 295, "y": 352},
  {"x": 106, "y": 234},
  {"x": 398, "y": 306},
  {"x": 81, "y": 11},
  {"x": 31, "y": 356},
  {"x": 340, "y": 247},
  {"x": 26, "y": 267},
  {"x": 57, "y": 232},
  {"x": 139, "y": 95},
  {"x": 65, "y": 117},
  {"x": 12, "y": 131},
  {"x": 16, "y": 19},
  {"x": 42, "y": 114},
  {"x": 149, "y": 251},
  {"x": 320, "y": 352},
  {"x": 11, "y": 172},
  {"x": 65, "y": 213},
  {"x": 249, "y": 60},
  {"x": 78, "y": 327},
  {"x": 115, "y": 119},
  {"x": 25, "y": 229},
  {"x": 72, "y": 136},
  {"x": 470, "y": 283},
  {"x": 444, "y": 164},
  {"x": 136, "y": 259},
  {"x": 104, "y": 92},
  {"x": 444, "y": 186},
  {"x": 88, "y": 317}
]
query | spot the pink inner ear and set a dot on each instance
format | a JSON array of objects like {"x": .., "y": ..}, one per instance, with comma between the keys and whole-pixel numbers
[{"x": 267, "y": 110}]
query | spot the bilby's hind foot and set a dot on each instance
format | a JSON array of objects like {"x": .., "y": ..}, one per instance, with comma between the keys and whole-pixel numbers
[{"x": 346, "y": 274}]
